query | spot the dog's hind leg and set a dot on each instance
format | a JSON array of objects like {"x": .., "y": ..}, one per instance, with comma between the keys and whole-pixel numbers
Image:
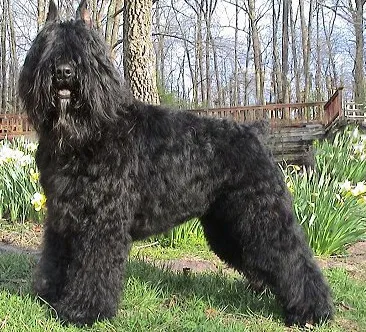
[{"x": 258, "y": 236}]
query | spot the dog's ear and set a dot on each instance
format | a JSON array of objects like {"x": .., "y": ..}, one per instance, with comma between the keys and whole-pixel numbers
[
  {"x": 83, "y": 13},
  {"x": 52, "y": 12}
]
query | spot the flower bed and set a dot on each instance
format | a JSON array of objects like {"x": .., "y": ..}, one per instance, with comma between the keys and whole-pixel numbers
[{"x": 21, "y": 196}]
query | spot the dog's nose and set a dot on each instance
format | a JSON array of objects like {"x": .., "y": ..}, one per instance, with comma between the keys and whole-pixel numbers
[{"x": 64, "y": 72}]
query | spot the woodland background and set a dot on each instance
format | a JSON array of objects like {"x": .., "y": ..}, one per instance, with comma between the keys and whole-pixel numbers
[{"x": 210, "y": 53}]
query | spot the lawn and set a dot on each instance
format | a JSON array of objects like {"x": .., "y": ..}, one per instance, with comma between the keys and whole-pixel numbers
[{"x": 159, "y": 299}]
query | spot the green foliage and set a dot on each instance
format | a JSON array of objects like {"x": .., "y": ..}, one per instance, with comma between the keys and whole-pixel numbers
[
  {"x": 170, "y": 99},
  {"x": 190, "y": 231},
  {"x": 332, "y": 218},
  {"x": 21, "y": 196},
  {"x": 344, "y": 157},
  {"x": 330, "y": 201}
]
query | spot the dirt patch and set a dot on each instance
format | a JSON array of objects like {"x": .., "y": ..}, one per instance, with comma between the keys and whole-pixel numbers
[
  {"x": 190, "y": 265},
  {"x": 27, "y": 235},
  {"x": 354, "y": 262},
  {"x": 348, "y": 325}
]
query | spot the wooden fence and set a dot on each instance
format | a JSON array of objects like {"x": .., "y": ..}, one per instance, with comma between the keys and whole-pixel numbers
[{"x": 12, "y": 125}]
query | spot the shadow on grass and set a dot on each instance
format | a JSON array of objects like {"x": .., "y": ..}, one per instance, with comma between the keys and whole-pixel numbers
[
  {"x": 218, "y": 290},
  {"x": 15, "y": 272}
]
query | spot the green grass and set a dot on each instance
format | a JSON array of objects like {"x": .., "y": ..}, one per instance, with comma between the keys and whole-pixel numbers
[
  {"x": 184, "y": 250},
  {"x": 159, "y": 300}
]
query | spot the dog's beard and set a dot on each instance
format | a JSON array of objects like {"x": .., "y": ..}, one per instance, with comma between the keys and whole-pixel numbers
[
  {"x": 64, "y": 103},
  {"x": 64, "y": 99},
  {"x": 71, "y": 125},
  {"x": 67, "y": 124}
]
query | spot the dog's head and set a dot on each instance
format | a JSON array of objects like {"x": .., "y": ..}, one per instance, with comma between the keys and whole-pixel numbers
[{"x": 68, "y": 84}]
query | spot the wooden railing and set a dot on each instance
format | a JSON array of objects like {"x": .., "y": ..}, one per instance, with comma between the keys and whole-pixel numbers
[
  {"x": 12, "y": 125},
  {"x": 355, "y": 112},
  {"x": 283, "y": 115},
  {"x": 333, "y": 109}
]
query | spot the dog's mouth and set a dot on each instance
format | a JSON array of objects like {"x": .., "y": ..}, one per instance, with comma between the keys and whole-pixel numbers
[
  {"x": 64, "y": 98},
  {"x": 64, "y": 94}
]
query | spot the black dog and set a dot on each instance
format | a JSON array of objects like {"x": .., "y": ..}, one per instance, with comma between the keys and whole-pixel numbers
[{"x": 115, "y": 170}]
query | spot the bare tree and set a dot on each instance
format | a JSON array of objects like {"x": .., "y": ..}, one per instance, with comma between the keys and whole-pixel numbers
[
  {"x": 257, "y": 53},
  {"x": 306, "y": 44},
  {"x": 352, "y": 12},
  {"x": 276, "y": 73},
  {"x": 296, "y": 71},
  {"x": 285, "y": 45},
  {"x": 318, "y": 73},
  {"x": 8, "y": 59},
  {"x": 331, "y": 72},
  {"x": 41, "y": 12},
  {"x": 359, "y": 71},
  {"x": 4, "y": 67},
  {"x": 114, "y": 15},
  {"x": 13, "y": 63}
]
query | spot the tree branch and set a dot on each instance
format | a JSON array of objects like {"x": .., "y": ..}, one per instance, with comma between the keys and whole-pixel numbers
[{"x": 172, "y": 36}]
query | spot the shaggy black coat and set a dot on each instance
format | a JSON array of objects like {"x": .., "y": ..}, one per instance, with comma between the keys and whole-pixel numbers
[{"x": 115, "y": 170}]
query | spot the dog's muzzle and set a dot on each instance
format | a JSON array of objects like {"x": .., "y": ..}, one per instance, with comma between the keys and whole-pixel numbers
[{"x": 64, "y": 80}]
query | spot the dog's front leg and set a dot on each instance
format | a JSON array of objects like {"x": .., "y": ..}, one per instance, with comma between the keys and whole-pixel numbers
[
  {"x": 50, "y": 273},
  {"x": 94, "y": 276}
]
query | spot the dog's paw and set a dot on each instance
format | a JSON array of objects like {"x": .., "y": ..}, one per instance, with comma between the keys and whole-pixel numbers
[
  {"x": 302, "y": 318},
  {"x": 81, "y": 314}
]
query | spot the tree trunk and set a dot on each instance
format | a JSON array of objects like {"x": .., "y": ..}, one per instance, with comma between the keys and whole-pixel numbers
[
  {"x": 13, "y": 70},
  {"x": 318, "y": 88},
  {"x": 276, "y": 73},
  {"x": 332, "y": 76},
  {"x": 160, "y": 63},
  {"x": 306, "y": 33},
  {"x": 359, "y": 71},
  {"x": 210, "y": 43},
  {"x": 285, "y": 44},
  {"x": 246, "y": 78},
  {"x": 294, "y": 56},
  {"x": 112, "y": 25},
  {"x": 236, "y": 74},
  {"x": 259, "y": 81},
  {"x": 4, "y": 67},
  {"x": 199, "y": 57},
  {"x": 218, "y": 100},
  {"x": 41, "y": 13},
  {"x": 138, "y": 51},
  {"x": 207, "y": 62}
]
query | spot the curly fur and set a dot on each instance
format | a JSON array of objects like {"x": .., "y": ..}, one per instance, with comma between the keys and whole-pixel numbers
[{"x": 115, "y": 170}]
